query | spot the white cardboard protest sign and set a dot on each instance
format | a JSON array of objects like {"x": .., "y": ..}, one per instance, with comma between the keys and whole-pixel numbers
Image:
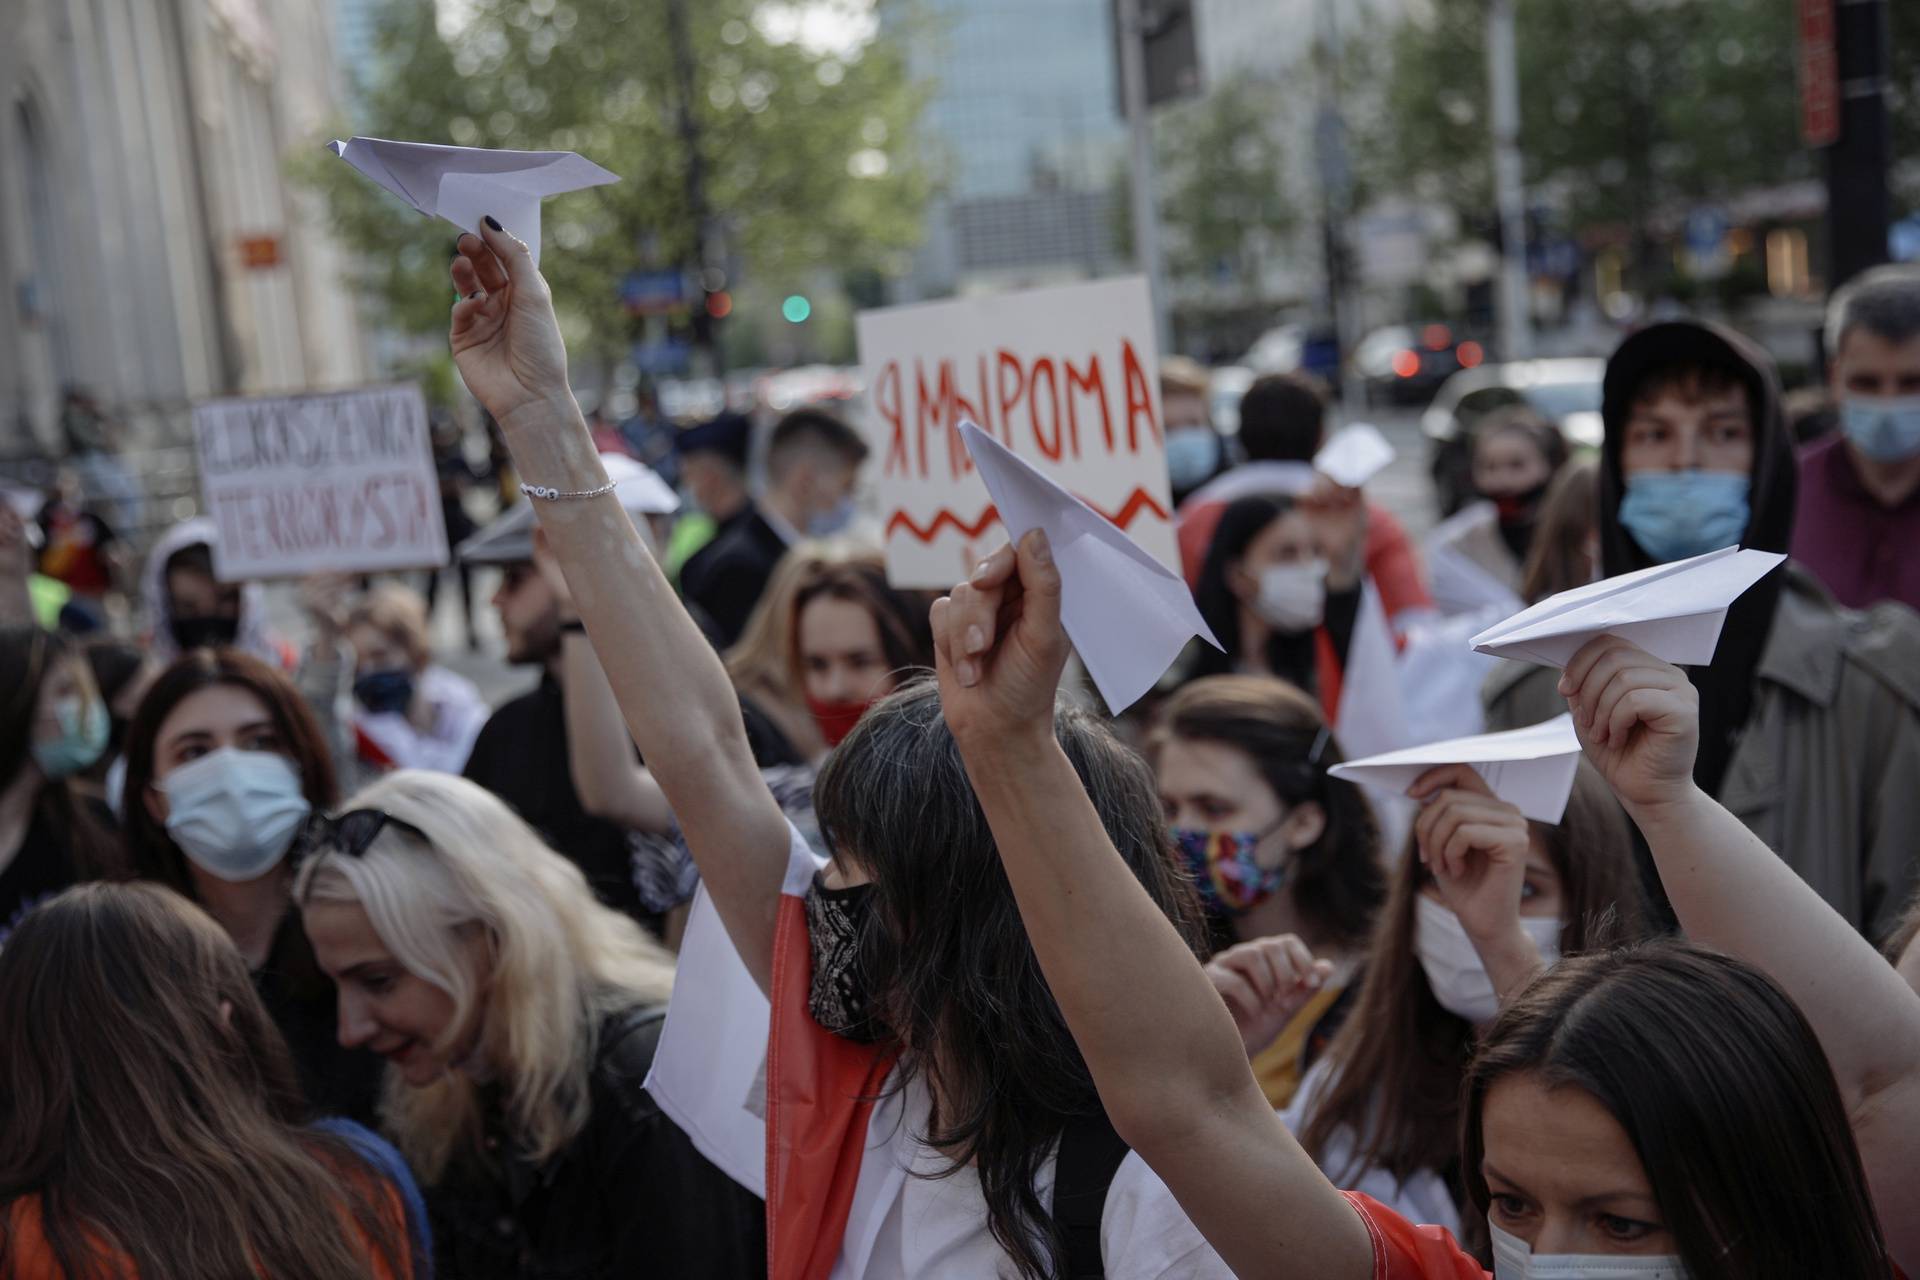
[
  {"x": 338, "y": 482},
  {"x": 1067, "y": 378}
]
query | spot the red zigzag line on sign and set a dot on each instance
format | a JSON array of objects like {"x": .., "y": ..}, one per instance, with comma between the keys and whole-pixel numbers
[{"x": 901, "y": 522}]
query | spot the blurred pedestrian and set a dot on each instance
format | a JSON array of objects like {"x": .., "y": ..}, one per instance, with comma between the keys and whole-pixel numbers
[
  {"x": 649, "y": 435},
  {"x": 53, "y": 726},
  {"x": 224, "y": 762},
  {"x": 1275, "y": 845},
  {"x": 456, "y": 478},
  {"x": 1516, "y": 454},
  {"x": 519, "y": 1018},
  {"x": 410, "y": 712},
  {"x": 80, "y": 549},
  {"x": 534, "y": 748},
  {"x": 1810, "y": 711},
  {"x": 1380, "y": 1113},
  {"x": 812, "y": 461},
  {"x": 1196, "y": 451},
  {"x": 123, "y": 673},
  {"x": 712, "y": 457},
  {"x": 153, "y": 1126},
  {"x": 1857, "y": 526},
  {"x": 1282, "y": 426}
]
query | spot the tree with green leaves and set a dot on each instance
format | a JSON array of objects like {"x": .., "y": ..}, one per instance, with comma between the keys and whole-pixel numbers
[
  {"x": 1222, "y": 179},
  {"x": 807, "y": 162},
  {"x": 1631, "y": 110}
]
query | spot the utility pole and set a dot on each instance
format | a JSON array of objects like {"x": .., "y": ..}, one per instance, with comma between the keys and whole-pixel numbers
[
  {"x": 1510, "y": 196},
  {"x": 1858, "y": 207},
  {"x": 706, "y": 348},
  {"x": 1336, "y": 198},
  {"x": 1146, "y": 217}
]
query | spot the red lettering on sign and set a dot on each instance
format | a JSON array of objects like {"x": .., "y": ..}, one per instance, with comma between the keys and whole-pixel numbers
[
  {"x": 1006, "y": 360},
  {"x": 1139, "y": 397},
  {"x": 890, "y": 412},
  {"x": 1049, "y": 447},
  {"x": 1092, "y": 384}
]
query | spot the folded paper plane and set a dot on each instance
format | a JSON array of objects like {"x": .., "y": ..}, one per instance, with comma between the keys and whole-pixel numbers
[
  {"x": 1127, "y": 614},
  {"x": 1673, "y": 611},
  {"x": 1354, "y": 455},
  {"x": 465, "y": 184},
  {"x": 1531, "y": 769}
]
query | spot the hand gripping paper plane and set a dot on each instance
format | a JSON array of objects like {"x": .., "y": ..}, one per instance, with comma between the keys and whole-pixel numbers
[
  {"x": 1673, "y": 611},
  {"x": 465, "y": 184},
  {"x": 1127, "y": 614},
  {"x": 1531, "y": 768}
]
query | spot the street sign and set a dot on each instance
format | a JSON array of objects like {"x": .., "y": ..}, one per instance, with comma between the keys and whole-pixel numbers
[
  {"x": 260, "y": 253},
  {"x": 653, "y": 293},
  {"x": 1819, "y": 74},
  {"x": 1171, "y": 53},
  {"x": 665, "y": 355}
]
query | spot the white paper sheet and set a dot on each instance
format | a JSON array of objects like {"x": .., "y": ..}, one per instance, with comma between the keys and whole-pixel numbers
[
  {"x": 1127, "y": 614},
  {"x": 1531, "y": 769},
  {"x": 1673, "y": 611},
  {"x": 1355, "y": 455},
  {"x": 465, "y": 184}
]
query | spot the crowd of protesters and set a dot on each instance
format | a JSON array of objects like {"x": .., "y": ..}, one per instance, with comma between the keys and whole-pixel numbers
[{"x": 796, "y": 924}]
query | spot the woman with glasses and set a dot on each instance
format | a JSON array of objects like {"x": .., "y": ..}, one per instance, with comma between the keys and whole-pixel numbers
[
  {"x": 518, "y": 1017},
  {"x": 225, "y": 760}
]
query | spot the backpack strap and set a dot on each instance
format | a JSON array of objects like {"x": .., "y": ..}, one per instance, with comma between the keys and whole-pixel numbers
[{"x": 1090, "y": 1154}]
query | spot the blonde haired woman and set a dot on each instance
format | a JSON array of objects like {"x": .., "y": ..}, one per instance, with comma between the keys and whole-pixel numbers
[{"x": 519, "y": 1018}]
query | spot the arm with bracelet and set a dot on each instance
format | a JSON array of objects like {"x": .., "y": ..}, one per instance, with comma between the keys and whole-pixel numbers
[{"x": 672, "y": 691}]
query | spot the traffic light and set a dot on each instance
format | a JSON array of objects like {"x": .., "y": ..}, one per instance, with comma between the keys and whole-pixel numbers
[{"x": 796, "y": 308}]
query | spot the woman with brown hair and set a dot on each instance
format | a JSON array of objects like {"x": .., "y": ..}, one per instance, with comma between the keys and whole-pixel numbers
[
  {"x": 153, "y": 1126},
  {"x": 53, "y": 725},
  {"x": 1275, "y": 845},
  {"x": 1380, "y": 1112},
  {"x": 224, "y": 762}
]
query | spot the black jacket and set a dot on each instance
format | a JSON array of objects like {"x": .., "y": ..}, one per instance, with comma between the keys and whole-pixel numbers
[
  {"x": 726, "y": 577},
  {"x": 630, "y": 1197}
]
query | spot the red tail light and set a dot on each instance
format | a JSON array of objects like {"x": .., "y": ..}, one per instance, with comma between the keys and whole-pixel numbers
[
  {"x": 1470, "y": 355},
  {"x": 1406, "y": 363}
]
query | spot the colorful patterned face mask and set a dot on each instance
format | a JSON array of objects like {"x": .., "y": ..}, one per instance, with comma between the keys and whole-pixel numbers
[{"x": 1224, "y": 869}]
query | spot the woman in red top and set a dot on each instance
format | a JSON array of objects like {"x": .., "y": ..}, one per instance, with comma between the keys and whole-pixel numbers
[
  {"x": 1654, "y": 1112},
  {"x": 151, "y": 1123}
]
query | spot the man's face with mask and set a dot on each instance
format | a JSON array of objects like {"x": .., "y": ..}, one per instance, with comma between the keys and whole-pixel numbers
[
  {"x": 529, "y": 614},
  {"x": 202, "y": 611},
  {"x": 1876, "y": 383}
]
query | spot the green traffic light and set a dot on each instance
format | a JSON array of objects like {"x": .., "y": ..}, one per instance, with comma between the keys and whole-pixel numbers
[{"x": 796, "y": 308}]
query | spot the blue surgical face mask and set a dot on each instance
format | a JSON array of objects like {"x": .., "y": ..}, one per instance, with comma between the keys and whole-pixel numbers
[
  {"x": 1192, "y": 455},
  {"x": 824, "y": 524},
  {"x": 1677, "y": 514},
  {"x": 385, "y": 691},
  {"x": 234, "y": 813},
  {"x": 1885, "y": 428},
  {"x": 81, "y": 740}
]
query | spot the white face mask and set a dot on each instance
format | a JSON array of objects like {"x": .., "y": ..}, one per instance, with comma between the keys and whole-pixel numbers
[
  {"x": 1293, "y": 597},
  {"x": 234, "y": 813},
  {"x": 1514, "y": 1259},
  {"x": 1454, "y": 970}
]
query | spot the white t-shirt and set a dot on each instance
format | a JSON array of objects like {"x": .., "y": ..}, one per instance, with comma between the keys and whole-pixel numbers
[
  {"x": 1423, "y": 1198},
  {"x": 707, "y": 1078}
]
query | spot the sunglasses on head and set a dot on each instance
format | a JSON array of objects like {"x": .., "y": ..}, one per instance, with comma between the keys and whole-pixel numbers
[{"x": 351, "y": 832}]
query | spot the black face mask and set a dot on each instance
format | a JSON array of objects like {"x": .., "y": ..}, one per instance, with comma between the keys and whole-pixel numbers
[
  {"x": 837, "y": 921},
  {"x": 204, "y": 632}
]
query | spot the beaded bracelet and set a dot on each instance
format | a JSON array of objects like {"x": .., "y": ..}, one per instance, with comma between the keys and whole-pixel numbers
[{"x": 552, "y": 494}]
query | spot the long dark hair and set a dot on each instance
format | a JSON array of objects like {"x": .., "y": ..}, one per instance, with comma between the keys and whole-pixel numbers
[
  {"x": 1724, "y": 1092},
  {"x": 151, "y": 853},
  {"x": 152, "y": 1107},
  {"x": 947, "y": 958},
  {"x": 1396, "y": 1064},
  {"x": 27, "y": 656},
  {"x": 1240, "y": 524},
  {"x": 1337, "y": 881}
]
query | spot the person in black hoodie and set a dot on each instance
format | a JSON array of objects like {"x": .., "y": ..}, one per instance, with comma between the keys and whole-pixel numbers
[{"x": 1810, "y": 713}]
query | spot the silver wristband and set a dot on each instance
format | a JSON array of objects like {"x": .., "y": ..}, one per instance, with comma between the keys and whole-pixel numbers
[{"x": 552, "y": 494}]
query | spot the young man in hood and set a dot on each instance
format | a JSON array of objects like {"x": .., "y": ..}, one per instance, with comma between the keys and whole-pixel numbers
[
  {"x": 1858, "y": 524},
  {"x": 1810, "y": 712}
]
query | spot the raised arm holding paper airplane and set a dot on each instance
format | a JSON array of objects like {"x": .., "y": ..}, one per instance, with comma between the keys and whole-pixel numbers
[{"x": 1639, "y": 719}]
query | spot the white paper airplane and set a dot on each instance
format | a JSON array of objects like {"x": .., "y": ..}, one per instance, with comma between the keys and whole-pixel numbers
[
  {"x": 1355, "y": 455},
  {"x": 465, "y": 184},
  {"x": 1531, "y": 769},
  {"x": 1127, "y": 614},
  {"x": 1673, "y": 611},
  {"x": 510, "y": 537}
]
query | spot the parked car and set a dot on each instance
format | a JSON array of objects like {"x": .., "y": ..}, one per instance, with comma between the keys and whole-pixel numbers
[
  {"x": 1297, "y": 348},
  {"x": 1405, "y": 364},
  {"x": 1564, "y": 391}
]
